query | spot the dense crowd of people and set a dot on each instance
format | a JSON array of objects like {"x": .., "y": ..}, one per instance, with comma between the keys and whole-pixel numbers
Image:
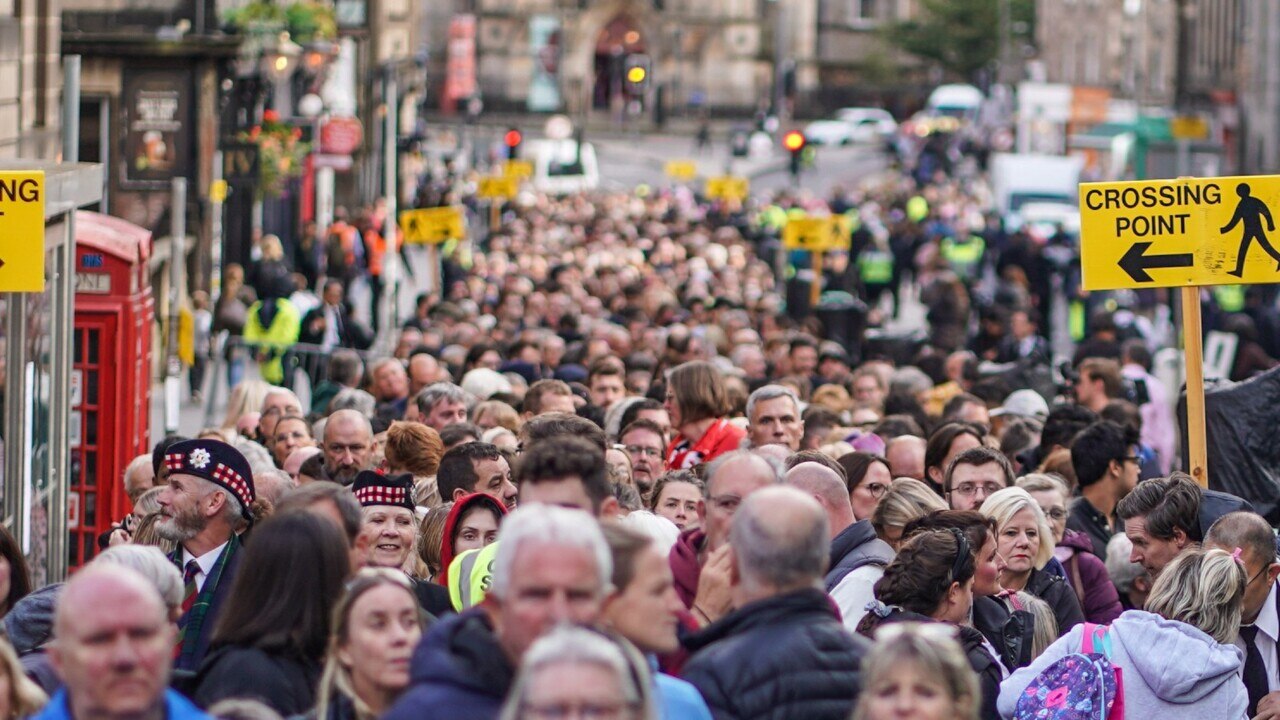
[{"x": 617, "y": 468}]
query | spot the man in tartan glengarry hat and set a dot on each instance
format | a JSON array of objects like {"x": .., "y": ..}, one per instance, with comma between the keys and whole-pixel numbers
[{"x": 208, "y": 503}]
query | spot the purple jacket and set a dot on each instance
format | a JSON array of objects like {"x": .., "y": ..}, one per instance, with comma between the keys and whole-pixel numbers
[{"x": 1099, "y": 600}]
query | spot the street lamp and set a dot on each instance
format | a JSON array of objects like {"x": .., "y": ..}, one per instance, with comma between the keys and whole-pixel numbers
[{"x": 279, "y": 60}]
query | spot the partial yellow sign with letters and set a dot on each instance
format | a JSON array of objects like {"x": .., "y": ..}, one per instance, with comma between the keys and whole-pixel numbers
[
  {"x": 433, "y": 226},
  {"x": 22, "y": 196}
]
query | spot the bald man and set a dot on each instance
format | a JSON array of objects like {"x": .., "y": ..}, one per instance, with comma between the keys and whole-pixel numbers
[
  {"x": 905, "y": 454},
  {"x": 114, "y": 650},
  {"x": 784, "y": 631},
  {"x": 293, "y": 463},
  {"x": 703, "y": 549},
  {"x": 348, "y": 446},
  {"x": 858, "y": 557}
]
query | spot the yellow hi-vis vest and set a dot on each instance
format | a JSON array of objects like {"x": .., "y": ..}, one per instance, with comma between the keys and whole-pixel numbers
[
  {"x": 965, "y": 257},
  {"x": 471, "y": 576}
]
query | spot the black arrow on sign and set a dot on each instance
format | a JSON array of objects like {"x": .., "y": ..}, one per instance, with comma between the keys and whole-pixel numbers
[
  {"x": 1136, "y": 262},
  {"x": 1, "y": 263}
]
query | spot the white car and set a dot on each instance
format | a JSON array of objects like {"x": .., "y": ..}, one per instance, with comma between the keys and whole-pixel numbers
[
  {"x": 870, "y": 125},
  {"x": 829, "y": 132}
]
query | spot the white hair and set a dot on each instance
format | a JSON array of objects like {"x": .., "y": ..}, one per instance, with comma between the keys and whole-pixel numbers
[
  {"x": 484, "y": 383},
  {"x": 663, "y": 532},
  {"x": 277, "y": 390},
  {"x": 569, "y": 645},
  {"x": 771, "y": 392},
  {"x": 549, "y": 525},
  {"x": 150, "y": 562}
]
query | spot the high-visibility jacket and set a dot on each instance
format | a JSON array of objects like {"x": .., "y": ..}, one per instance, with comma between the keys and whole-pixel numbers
[
  {"x": 471, "y": 576},
  {"x": 280, "y": 336},
  {"x": 964, "y": 257}
]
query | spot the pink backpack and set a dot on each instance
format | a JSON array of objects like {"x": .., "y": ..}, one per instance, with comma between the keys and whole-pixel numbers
[{"x": 1079, "y": 686}]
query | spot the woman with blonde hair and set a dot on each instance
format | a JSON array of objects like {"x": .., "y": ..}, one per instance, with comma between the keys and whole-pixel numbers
[
  {"x": 917, "y": 670},
  {"x": 376, "y": 626},
  {"x": 495, "y": 413},
  {"x": 22, "y": 697},
  {"x": 246, "y": 397},
  {"x": 906, "y": 499},
  {"x": 575, "y": 669},
  {"x": 1176, "y": 658},
  {"x": 1025, "y": 541}
]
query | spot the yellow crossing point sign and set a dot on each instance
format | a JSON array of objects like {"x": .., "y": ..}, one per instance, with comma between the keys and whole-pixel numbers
[
  {"x": 22, "y": 231},
  {"x": 817, "y": 234},
  {"x": 518, "y": 169},
  {"x": 1180, "y": 233},
  {"x": 682, "y": 169},
  {"x": 433, "y": 226},
  {"x": 499, "y": 187},
  {"x": 728, "y": 187}
]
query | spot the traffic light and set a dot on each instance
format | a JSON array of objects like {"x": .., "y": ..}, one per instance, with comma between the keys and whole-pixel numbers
[
  {"x": 636, "y": 73},
  {"x": 794, "y": 142},
  {"x": 512, "y": 140}
]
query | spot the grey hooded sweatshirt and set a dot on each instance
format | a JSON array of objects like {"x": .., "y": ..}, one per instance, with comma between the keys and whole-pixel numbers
[{"x": 1170, "y": 670}]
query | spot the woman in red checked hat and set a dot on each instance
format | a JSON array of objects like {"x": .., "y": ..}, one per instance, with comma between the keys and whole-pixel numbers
[{"x": 389, "y": 532}]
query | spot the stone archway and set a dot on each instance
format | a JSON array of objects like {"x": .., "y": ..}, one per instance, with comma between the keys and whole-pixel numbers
[{"x": 583, "y": 33}]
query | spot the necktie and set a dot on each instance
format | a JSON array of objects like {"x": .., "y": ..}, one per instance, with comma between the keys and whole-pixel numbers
[
  {"x": 188, "y": 600},
  {"x": 1255, "y": 672}
]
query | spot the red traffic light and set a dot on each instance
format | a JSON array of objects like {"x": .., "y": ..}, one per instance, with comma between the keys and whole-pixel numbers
[
  {"x": 793, "y": 141},
  {"x": 512, "y": 138}
]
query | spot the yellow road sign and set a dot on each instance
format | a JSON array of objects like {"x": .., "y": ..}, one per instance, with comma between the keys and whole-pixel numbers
[
  {"x": 22, "y": 230},
  {"x": 817, "y": 234},
  {"x": 1189, "y": 127},
  {"x": 728, "y": 187},
  {"x": 433, "y": 226},
  {"x": 498, "y": 187},
  {"x": 518, "y": 169},
  {"x": 1177, "y": 233},
  {"x": 682, "y": 169}
]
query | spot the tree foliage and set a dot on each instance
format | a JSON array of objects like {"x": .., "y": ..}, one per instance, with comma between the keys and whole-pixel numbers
[{"x": 963, "y": 36}]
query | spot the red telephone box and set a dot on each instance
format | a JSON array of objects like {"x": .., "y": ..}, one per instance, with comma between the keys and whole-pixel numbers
[{"x": 110, "y": 375}]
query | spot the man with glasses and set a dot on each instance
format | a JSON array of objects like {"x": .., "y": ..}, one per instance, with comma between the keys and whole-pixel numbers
[
  {"x": 858, "y": 557},
  {"x": 643, "y": 441},
  {"x": 279, "y": 402},
  {"x": 1253, "y": 541},
  {"x": 975, "y": 475},
  {"x": 1105, "y": 458},
  {"x": 348, "y": 446},
  {"x": 700, "y": 559},
  {"x": 1161, "y": 518}
]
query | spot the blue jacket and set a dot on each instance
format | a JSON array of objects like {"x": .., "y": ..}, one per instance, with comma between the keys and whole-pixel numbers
[
  {"x": 678, "y": 700},
  {"x": 458, "y": 671},
  {"x": 176, "y": 707}
]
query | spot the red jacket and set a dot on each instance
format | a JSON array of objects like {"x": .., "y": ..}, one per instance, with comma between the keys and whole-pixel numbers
[
  {"x": 684, "y": 563},
  {"x": 720, "y": 438}
]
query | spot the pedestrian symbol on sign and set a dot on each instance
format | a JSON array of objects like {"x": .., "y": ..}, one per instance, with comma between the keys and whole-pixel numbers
[{"x": 1250, "y": 212}]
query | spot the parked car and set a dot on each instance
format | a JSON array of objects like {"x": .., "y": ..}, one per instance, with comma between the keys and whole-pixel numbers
[
  {"x": 870, "y": 125},
  {"x": 829, "y": 132}
]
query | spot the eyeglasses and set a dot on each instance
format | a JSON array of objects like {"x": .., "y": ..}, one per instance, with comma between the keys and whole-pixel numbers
[
  {"x": 875, "y": 490},
  {"x": 642, "y": 450},
  {"x": 970, "y": 489},
  {"x": 1055, "y": 513},
  {"x": 586, "y": 711},
  {"x": 1254, "y": 579},
  {"x": 1133, "y": 459}
]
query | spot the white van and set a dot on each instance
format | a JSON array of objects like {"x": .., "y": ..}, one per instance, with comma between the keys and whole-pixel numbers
[
  {"x": 955, "y": 100},
  {"x": 560, "y": 168}
]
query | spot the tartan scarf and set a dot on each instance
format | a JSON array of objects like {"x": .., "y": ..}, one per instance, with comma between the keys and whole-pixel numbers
[{"x": 193, "y": 622}]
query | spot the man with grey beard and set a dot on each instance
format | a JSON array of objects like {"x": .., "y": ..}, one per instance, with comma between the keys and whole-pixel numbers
[{"x": 209, "y": 501}]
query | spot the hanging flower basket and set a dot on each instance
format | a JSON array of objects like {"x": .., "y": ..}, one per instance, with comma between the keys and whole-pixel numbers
[
  {"x": 281, "y": 153},
  {"x": 306, "y": 20}
]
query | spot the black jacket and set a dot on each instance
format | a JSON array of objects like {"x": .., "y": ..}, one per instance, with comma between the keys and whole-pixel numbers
[
  {"x": 1009, "y": 631},
  {"x": 776, "y": 659},
  {"x": 286, "y": 685},
  {"x": 856, "y": 546},
  {"x": 458, "y": 671},
  {"x": 988, "y": 671},
  {"x": 351, "y": 332},
  {"x": 1053, "y": 590}
]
